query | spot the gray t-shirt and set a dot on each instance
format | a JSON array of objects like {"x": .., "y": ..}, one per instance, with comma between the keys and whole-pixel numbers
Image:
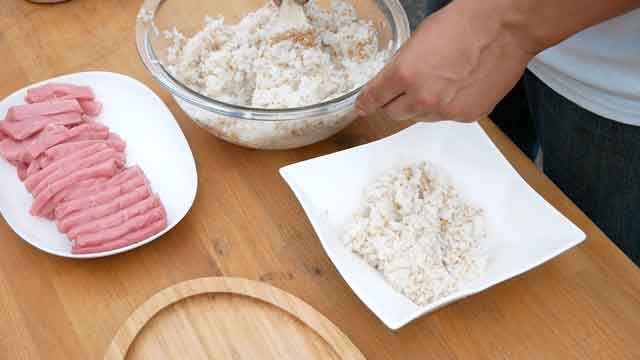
[{"x": 598, "y": 68}]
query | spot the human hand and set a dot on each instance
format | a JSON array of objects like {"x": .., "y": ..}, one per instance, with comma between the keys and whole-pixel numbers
[{"x": 458, "y": 65}]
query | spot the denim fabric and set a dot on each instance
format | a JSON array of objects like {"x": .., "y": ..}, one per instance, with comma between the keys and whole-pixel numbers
[
  {"x": 594, "y": 160},
  {"x": 513, "y": 117},
  {"x": 417, "y": 10}
]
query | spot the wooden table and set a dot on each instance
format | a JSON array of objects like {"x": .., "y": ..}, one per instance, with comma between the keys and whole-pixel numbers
[{"x": 245, "y": 222}]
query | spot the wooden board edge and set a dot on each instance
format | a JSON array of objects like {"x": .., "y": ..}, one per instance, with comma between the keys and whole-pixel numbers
[{"x": 284, "y": 301}]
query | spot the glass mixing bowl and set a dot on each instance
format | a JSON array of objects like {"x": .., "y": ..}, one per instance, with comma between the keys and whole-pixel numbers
[{"x": 243, "y": 125}]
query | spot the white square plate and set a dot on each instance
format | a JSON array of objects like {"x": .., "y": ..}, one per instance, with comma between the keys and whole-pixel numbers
[
  {"x": 524, "y": 230},
  {"x": 154, "y": 142}
]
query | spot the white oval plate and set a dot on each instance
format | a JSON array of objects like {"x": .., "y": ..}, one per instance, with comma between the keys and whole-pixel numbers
[{"x": 155, "y": 142}]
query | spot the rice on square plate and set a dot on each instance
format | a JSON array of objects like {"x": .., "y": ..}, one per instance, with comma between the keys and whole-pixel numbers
[{"x": 417, "y": 231}]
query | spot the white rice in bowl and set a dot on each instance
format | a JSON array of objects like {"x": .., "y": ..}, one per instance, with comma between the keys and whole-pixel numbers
[{"x": 261, "y": 63}]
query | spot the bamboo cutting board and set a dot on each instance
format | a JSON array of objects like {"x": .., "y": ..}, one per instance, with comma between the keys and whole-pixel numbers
[{"x": 228, "y": 318}]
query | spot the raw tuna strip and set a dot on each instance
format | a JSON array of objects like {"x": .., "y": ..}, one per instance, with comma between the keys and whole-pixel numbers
[
  {"x": 88, "y": 127},
  {"x": 67, "y": 148},
  {"x": 21, "y": 112},
  {"x": 35, "y": 166},
  {"x": 20, "y": 130},
  {"x": 47, "y": 210},
  {"x": 2, "y": 134},
  {"x": 91, "y": 107},
  {"x": 14, "y": 150},
  {"x": 121, "y": 178},
  {"x": 121, "y": 202},
  {"x": 126, "y": 240},
  {"x": 68, "y": 166},
  {"x": 116, "y": 219},
  {"x": 22, "y": 171},
  {"x": 90, "y": 131},
  {"x": 116, "y": 141},
  {"x": 51, "y": 135},
  {"x": 38, "y": 146},
  {"x": 131, "y": 225},
  {"x": 105, "y": 169},
  {"x": 97, "y": 199},
  {"x": 55, "y": 90},
  {"x": 65, "y": 163},
  {"x": 91, "y": 135}
]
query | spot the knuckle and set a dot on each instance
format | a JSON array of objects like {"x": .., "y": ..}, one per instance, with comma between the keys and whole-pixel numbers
[
  {"x": 403, "y": 76},
  {"x": 371, "y": 97},
  {"x": 364, "y": 100}
]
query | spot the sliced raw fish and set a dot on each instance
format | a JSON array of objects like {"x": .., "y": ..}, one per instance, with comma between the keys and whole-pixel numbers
[
  {"x": 51, "y": 135},
  {"x": 35, "y": 178},
  {"x": 14, "y": 150},
  {"x": 56, "y": 90},
  {"x": 105, "y": 169},
  {"x": 91, "y": 135},
  {"x": 96, "y": 199},
  {"x": 21, "y": 112},
  {"x": 66, "y": 167},
  {"x": 92, "y": 130},
  {"x": 22, "y": 170},
  {"x": 131, "y": 238},
  {"x": 130, "y": 173},
  {"x": 115, "y": 219},
  {"x": 20, "y": 130},
  {"x": 117, "y": 142},
  {"x": 48, "y": 210},
  {"x": 131, "y": 225},
  {"x": 91, "y": 107},
  {"x": 121, "y": 202},
  {"x": 34, "y": 166},
  {"x": 67, "y": 148}
]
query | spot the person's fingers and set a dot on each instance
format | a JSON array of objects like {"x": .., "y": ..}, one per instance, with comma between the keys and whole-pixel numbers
[
  {"x": 419, "y": 117},
  {"x": 428, "y": 117},
  {"x": 383, "y": 88},
  {"x": 401, "y": 108}
]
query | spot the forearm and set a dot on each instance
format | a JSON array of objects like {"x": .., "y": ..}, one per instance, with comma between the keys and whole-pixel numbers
[{"x": 543, "y": 23}]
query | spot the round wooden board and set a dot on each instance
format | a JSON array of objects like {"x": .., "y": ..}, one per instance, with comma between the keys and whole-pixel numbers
[{"x": 222, "y": 317}]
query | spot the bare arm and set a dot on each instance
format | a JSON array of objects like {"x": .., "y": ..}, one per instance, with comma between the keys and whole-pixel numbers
[
  {"x": 463, "y": 59},
  {"x": 548, "y": 22}
]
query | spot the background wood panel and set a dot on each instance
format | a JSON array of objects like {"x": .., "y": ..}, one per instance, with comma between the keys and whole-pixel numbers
[{"x": 246, "y": 223}]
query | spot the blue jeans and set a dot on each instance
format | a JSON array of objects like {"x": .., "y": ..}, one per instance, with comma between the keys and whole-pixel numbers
[{"x": 595, "y": 161}]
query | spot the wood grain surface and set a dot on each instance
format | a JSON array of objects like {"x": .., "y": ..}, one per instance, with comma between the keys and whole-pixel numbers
[
  {"x": 224, "y": 317},
  {"x": 246, "y": 223}
]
